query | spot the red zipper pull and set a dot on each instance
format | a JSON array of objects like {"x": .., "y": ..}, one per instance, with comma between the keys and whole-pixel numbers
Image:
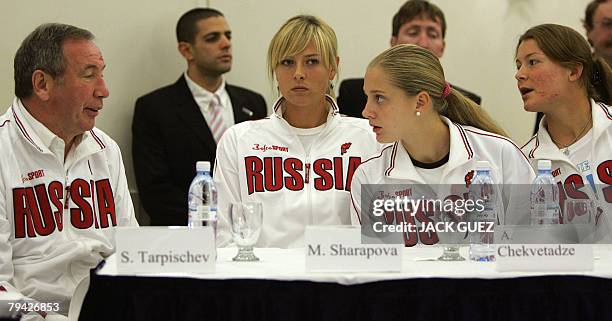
[
  {"x": 307, "y": 172},
  {"x": 67, "y": 197}
]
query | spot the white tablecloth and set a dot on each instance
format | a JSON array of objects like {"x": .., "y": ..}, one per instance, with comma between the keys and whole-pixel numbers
[{"x": 289, "y": 265}]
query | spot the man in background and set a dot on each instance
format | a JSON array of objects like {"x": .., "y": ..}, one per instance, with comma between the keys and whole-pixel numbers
[
  {"x": 417, "y": 22},
  {"x": 598, "y": 25},
  {"x": 63, "y": 189},
  {"x": 180, "y": 124}
]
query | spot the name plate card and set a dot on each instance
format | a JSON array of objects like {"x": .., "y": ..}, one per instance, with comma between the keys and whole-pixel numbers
[
  {"x": 165, "y": 250},
  {"x": 339, "y": 249},
  {"x": 544, "y": 257}
]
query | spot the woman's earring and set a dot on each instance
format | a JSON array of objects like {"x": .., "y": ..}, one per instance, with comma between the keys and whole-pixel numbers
[{"x": 418, "y": 113}]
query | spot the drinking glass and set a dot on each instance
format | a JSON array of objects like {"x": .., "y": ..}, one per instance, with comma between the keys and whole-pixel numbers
[
  {"x": 578, "y": 211},
  {"x": 450, "y": 239},
  {"x": 245, "y": 220}
]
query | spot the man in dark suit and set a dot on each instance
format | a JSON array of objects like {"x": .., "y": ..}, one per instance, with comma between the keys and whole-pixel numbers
[
  {"x": 417, "y": 22},
  {"x": 179, "y": 124}
]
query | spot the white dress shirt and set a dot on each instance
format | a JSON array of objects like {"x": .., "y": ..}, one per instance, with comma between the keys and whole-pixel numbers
[{"x": 203, "y": 98}]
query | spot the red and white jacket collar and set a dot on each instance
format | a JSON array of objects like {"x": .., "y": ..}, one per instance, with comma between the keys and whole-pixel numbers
[
  {"x": 40, "y": 137},
  {"x": 278, "y": 106},
  {"x": 400, "y": 166},
  {"x": 541, "y": 146},
  {"x": 332, "y": 114}
]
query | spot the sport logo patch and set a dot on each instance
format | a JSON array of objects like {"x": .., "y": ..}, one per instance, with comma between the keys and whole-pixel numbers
[
  {"x": 265, "y": 148},
  {"x": 39, "y": 173},
  {"x": 344, "y": 148},
  {"x": 468, "y": 178},
  {"x": 556, "y": 172}
]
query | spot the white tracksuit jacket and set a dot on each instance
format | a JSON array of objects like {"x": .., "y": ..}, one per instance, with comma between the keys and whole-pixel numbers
[
  {"x": 55, "y": 225},
  {"x": 264, "y": 161},
  {"x": 467, "y": 146},
  {"x": 574, "y": 185}
]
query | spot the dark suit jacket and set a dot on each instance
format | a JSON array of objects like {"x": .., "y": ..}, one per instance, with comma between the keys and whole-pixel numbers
[
  {"x": 352, "y": 99},
  {"x": 169, "y": 134}
]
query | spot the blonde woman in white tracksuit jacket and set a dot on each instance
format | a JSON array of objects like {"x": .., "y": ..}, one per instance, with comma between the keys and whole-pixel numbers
[
  {"x": 299, "y": 161},
  {"x": 467, "y": 146},
  {"x": 265, "y": 161},
  {"x": 438, "y": 135}
]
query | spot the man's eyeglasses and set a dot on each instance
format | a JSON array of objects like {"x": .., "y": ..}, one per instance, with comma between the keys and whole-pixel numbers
[{"x": 606, "y": 23}]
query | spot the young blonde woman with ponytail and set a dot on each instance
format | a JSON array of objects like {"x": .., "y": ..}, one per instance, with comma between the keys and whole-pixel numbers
[{"x": 437, "y": 134}]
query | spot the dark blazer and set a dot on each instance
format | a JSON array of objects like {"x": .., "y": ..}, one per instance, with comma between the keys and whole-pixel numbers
[
  {"x": 169, "y": 134},
  {"x": 352, "y": 99}
]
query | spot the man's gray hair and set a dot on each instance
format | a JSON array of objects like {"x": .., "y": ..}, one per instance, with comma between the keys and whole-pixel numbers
[{"x": 42, "y": 50}]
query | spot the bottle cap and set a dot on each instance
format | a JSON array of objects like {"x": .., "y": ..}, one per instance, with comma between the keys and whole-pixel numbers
[
  {"x": 544, "y": 164},
  {"x": 203, "y": 166},
  {"x": 482, "y": 165}
]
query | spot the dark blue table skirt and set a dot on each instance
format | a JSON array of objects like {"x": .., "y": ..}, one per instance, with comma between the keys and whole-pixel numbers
[{"x": 530, "y": 298}]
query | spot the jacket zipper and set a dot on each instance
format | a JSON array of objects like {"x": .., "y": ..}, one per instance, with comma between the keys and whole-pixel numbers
[{"x": 308, "y": 191}]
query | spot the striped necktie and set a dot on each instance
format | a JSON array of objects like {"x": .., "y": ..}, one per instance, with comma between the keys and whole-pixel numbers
[{"x": 217, "y": 125}]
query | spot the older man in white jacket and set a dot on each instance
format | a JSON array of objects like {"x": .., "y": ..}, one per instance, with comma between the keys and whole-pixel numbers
[{"x": 63, "y": 189}]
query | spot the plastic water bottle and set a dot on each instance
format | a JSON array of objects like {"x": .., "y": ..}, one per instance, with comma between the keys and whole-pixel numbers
[
  {"x": 483, "y": 192},
  {"x": 202, "y": 199},
  {"x": 545, "y": 208}
]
